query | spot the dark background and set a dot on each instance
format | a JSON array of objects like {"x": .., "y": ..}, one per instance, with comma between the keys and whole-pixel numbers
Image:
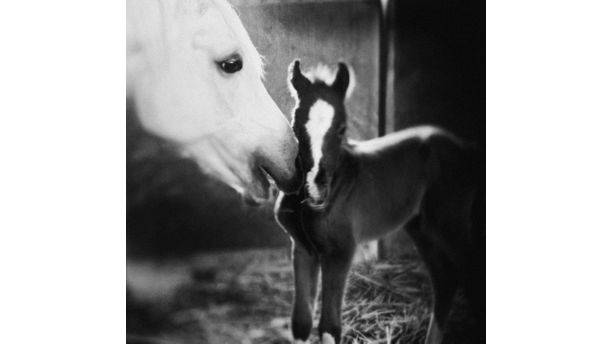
[
  {"x": 437, "y": 74},
  {"x": 440, "y": 65}
]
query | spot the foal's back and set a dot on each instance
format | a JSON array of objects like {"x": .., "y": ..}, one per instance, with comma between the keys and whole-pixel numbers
[
  {"x": 431, "y": 183},
  {"x": 395, "y": 172}
]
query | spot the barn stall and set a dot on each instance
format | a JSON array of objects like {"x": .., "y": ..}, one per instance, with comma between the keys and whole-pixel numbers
[{"x": 203, "y": 267}]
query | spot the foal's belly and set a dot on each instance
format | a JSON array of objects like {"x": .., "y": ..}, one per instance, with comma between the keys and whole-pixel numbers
[
  {"x": 379, "y": 219},
  {"x": 389, "y": 194}
]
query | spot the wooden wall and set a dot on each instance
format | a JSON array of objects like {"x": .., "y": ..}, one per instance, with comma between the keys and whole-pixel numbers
[
  {"x": 438, "y": 61},
  {"x": 319, "y": 31}
]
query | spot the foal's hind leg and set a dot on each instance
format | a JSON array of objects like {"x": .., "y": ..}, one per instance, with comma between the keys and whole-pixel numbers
[
  {"x": 306, "y": 277},
  {"x": 443, "y": 278},
  {"x": 444, "y": 282},
  {"x": 335, "y": 266},
  {"x": 475, "y": 282}
]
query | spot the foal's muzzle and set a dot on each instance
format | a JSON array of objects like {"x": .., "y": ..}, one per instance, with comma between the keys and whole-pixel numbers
[{"x": 322, "y": 201}]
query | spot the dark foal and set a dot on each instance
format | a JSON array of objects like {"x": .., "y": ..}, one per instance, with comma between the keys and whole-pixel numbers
[{"x": 422, "y": 179}]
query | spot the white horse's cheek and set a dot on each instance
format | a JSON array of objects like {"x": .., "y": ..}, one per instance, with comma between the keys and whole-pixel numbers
[{"x": 179, "y": 108}]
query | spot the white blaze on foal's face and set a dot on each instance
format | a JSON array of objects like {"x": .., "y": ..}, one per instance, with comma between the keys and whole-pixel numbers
[{"x": 320, "y": 119}]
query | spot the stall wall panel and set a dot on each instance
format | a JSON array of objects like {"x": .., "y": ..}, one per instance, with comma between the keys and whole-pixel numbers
[
  {"x": 320, "y": 32},
  {"x": 440, "y": 61},
  {"x": 439, "y": 76}
]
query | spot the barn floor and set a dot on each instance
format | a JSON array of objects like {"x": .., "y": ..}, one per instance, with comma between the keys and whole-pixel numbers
[{"x": 245, "y": 297}]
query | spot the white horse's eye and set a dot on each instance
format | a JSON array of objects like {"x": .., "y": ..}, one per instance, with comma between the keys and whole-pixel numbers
[{"x": 231, "y": 65}]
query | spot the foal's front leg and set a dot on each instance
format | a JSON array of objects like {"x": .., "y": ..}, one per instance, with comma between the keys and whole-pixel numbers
[
  {"x": 306, "y": 278},
  {"x": 335, "y": 266}
]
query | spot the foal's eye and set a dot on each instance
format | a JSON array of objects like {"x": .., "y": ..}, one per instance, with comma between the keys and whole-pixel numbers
[
  {"x": 342, "y": 130},
  {"x": 231, "y": 65}
]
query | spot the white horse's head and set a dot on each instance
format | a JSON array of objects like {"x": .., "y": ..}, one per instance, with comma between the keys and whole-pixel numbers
[{"x": 196, "y": 80}]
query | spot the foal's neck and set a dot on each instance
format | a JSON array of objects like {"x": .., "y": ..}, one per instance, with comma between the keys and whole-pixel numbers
[{"x": 345, "y": 176}]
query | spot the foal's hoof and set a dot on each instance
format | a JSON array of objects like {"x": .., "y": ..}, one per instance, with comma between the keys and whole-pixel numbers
[
  {"x": 327, "y": 339},
  {"x": 301, "y": 342}
]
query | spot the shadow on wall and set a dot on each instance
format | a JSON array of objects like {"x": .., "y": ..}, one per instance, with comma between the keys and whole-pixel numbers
[
  {"x": 439, "y": 73},
  {"x": 440, "y": 65},
  {"x": 174, "y": 210},
  {"x": 319, "y": 32}
]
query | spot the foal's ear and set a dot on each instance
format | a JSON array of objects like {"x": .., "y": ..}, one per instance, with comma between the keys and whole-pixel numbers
[
  {"x": 341, "y": 84},
  {"x": 298, "y": 81}
]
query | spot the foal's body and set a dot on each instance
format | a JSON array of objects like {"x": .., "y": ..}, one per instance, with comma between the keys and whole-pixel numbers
[{"x": 422, "y": 179}]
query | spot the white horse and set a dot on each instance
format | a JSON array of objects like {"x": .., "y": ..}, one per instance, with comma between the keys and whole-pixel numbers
[{"x": 195, "y": 79}]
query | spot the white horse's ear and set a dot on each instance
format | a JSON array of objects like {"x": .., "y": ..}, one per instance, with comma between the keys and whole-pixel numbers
[
  {"x": 298, "y": 83},
  {"x": 343, "y": 79}
]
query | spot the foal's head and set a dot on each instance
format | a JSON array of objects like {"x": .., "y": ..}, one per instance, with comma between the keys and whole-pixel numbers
[{"x": 319, "y": 122}]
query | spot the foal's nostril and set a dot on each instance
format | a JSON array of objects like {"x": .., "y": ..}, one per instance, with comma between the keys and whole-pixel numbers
[
  {"x": 321, "y": 177},
  {"x": 323, "y": 192}
]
